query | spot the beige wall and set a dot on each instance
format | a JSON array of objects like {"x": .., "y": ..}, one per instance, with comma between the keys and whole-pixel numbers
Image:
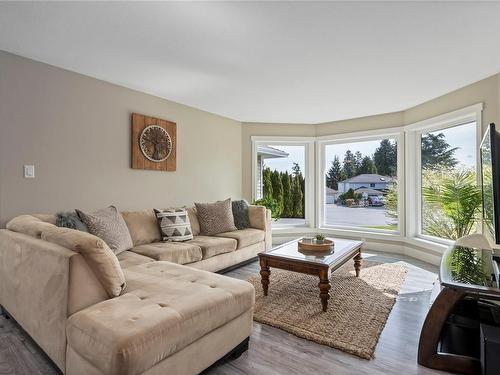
[
  {"x": 76, "y": 130},
  {"x": 387, "y": 120},
  {"x": 486, "y": 91}
]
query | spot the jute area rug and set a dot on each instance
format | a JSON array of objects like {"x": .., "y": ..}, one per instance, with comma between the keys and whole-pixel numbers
[{"x": 358, "y": 308}]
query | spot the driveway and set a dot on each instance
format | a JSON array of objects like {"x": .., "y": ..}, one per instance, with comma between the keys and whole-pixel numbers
[
  {"x": 370, "y": 217},
  {"x": 359, "y": 216}
]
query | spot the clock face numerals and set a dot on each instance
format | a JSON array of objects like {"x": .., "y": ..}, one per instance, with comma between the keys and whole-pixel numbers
[{"x": 155, "y": 143}]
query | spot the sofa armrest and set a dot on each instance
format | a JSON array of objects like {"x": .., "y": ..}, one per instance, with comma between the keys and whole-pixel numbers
[
  {"x": 34, "y": 277},
  {"x": 41, "y": 284},
  {"x": 260, "y": 218}
]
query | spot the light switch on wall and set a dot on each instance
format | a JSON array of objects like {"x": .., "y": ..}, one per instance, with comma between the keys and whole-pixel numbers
[{"x": 29, "y": 171}]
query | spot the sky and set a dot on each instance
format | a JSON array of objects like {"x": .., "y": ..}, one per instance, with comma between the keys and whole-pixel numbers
[
  {"x": 463, "y": 137},
  {"x": 295, "y": 154}
]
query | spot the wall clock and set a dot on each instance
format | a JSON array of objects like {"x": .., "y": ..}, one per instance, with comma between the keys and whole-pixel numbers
[{"x": 154, "y": 143}]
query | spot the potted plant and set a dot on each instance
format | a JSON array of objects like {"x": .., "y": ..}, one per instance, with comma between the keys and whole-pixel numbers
[{"x": 319, "y": 238}]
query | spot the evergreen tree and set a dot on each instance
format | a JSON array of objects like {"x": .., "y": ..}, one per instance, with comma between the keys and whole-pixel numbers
[
  {"x": 335, "y": 174},
  {"x": 297, "y": 197},
  {"x": 436, "y": 152},
  {"x": 287, "y": 195},
  {"x": 385, "y": 158},
  {"x": 358, "y": 160},
  {"x": 277, "y": 189},
  {"x": 349, "y": 165},
  {"x": 296, "y": 170},
  {"x": 303, "y": 190},
  {"x": 267, "y": 183},
  {"x": 367, "y": 166}
]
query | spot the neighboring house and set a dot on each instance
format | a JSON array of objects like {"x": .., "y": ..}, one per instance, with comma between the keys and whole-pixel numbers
[
  {"x": 265, "y": 152},
  {"x": 371, "y": 182}
]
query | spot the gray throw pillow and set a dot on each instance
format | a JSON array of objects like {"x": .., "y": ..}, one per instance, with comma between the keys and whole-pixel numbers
[
  {"x": 174, "y": 224},
  {"x": 70, "y": 220},
  {"x": 215, "y": 217},
  {"x": 240, "y": 213},
  {"x": 108, "y": 224}
]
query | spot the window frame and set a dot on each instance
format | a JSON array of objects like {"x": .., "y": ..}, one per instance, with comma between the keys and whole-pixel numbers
[
  {"x": 413, "y": 159},
  {"x": 395, "y": 133},
  {"x": 309, "y": 174}
]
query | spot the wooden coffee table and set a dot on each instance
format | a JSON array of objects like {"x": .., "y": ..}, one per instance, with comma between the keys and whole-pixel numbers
[{"x": 288, "y": 257}]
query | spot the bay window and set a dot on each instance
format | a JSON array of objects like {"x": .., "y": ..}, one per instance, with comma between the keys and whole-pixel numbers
[{"x": 413, "y": 183}]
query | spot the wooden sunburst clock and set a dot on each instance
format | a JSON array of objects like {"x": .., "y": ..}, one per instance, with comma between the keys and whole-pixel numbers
[{"x": 154, "y": 143}]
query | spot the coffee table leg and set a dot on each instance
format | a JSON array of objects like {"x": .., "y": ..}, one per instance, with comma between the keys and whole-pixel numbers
[
  {"x": 357, "y": 263},
  {"x": 264, "y": 274},
  {"x": 324, "y": 287}
]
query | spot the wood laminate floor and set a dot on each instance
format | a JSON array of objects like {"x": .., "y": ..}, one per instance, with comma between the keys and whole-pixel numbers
[{"x": 274, "y": 352}]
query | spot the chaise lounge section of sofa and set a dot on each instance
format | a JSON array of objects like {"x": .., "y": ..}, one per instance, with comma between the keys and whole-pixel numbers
[{"x": 149, "y": 310}]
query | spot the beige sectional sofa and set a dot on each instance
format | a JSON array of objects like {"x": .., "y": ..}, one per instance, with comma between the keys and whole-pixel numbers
[{"x": 153, "y": 309}]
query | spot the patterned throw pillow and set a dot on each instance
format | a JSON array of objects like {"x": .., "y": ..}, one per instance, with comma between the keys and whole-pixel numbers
[
  {"x": 108, "y": 224},
  {"x": 240, "y": 213},
  {"x": 215, "y": 217},
  {"x": 174, "y": 224}
]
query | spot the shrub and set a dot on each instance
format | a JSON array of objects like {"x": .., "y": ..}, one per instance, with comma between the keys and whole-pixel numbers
[
  {"x": 272, "y": 204},
  {"x": 452, "y": 203}
]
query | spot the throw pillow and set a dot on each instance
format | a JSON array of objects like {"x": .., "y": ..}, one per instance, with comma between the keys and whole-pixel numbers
[
  {"x": 215, "y": 217},
  {"x": 108, "y": 224},
  {"x": 142, "y": 226},
  {"x": 174, "y": 224},
  {"x": 70, "y": 220},
  {"x": 240, "y": 213},
  {"x": 98, "y": 255}
]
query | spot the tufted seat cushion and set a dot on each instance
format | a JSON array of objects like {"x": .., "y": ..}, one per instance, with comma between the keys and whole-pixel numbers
[
  {"x": 165, "y": 308},
  {"x": 212, "y": 246},
  {"x": 245, "y": 237},
  {"x": 175, "y": 252}
]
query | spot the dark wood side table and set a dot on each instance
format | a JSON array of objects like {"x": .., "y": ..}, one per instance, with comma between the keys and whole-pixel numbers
[
  {"x": 289, "y": 257},
  {"x": 467, "y": 279}
]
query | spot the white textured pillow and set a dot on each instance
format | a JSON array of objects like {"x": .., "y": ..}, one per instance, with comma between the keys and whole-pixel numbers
[
  {"x": 174, "y": 224},
  {"x": 108, "y": 225}
]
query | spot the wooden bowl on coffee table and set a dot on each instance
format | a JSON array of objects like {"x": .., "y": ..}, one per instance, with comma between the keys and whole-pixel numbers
[{"x": 326, "y": 246}]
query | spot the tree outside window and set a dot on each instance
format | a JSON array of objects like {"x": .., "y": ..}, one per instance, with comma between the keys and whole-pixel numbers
[
  {"x": 283, "y": 183},
  {"x": 451, "y": 199}
]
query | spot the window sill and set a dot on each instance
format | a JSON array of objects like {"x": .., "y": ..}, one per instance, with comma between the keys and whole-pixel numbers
[
  {"x": 363, "y": 234},
  {"x": 438, "y": 246},
  {"x": 358, "y": 234},
  {"x": 292, "y": 229}
]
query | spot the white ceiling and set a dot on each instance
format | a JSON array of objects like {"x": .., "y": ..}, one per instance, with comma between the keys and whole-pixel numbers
[{"x": 268, "y": 62}]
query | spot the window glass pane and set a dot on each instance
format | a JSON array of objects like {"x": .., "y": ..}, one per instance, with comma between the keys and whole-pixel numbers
[
  {"x": 451, "y": 199},
  {"x": 281, "y": 182},
  {"x": 361, "y": 185}
]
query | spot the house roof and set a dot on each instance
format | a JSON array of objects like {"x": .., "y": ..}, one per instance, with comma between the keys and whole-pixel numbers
[
  {"x": 330, "y": 191},
  {"x": 369, "y": 179},
  {"x": 268, "y": 152}
]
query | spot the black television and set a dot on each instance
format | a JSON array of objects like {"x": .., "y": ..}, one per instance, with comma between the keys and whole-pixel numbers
[{"x": 490, "y": 173}]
